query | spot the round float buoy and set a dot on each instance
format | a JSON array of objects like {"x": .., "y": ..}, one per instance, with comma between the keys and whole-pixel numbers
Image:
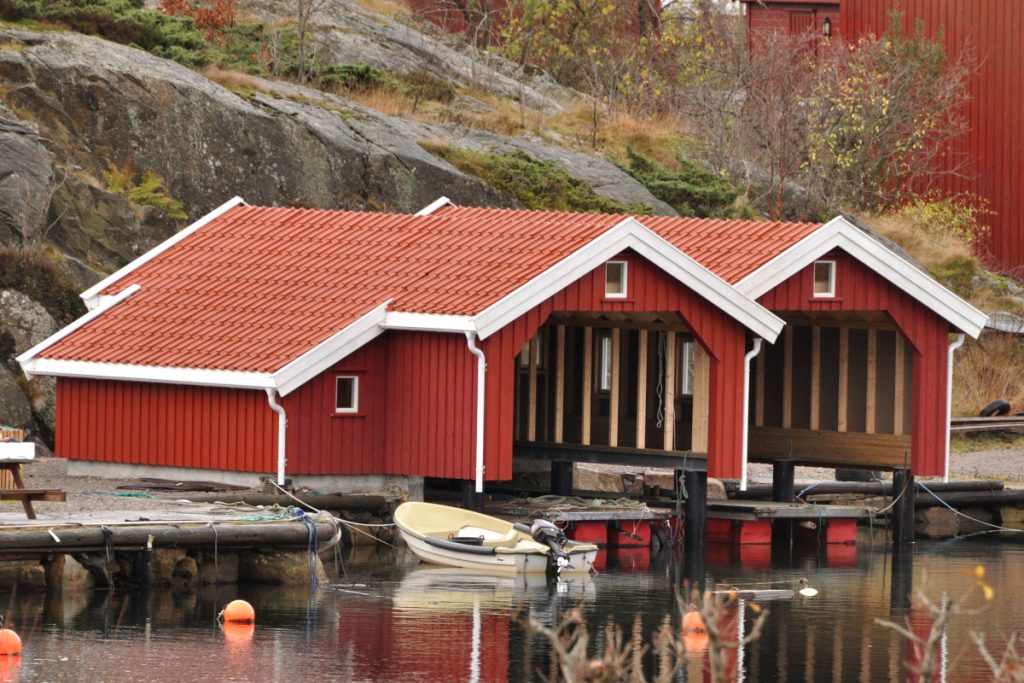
[
  {"x": 693, "y": 623},
  {"x": 10, "y": 642},
  {"x": 239, "y": 612}
]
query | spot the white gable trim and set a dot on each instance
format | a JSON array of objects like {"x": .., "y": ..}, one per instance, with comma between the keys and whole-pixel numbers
[
  {"x": 26, "y": 358},
  {"x": 840, "y": 233},
  {"x": 92, "y": 296},
  {"x": 427, "y": 322},
  {"x": 433, "y": 206},
  {"x": 327, "y": 353},
  {"x": 126, "y": 372},
  {"x": 630, "y": 234}
]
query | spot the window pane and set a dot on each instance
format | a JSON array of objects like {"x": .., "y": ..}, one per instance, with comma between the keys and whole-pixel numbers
[
  {"x": 346, "y": 396},
  {"x": 615, "y": 278},
  {"x": 823, "y": 277},
  {"x": 605, "y": 383}
]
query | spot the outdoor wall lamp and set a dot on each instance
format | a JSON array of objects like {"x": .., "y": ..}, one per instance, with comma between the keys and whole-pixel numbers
[{"x": 826, "y": 28}]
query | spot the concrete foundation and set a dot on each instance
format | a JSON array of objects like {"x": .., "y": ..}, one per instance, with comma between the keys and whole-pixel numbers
[{"x": 412, "y": 487}]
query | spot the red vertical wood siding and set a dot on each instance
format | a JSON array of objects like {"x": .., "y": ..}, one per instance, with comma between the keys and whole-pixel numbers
[
  {"x": 164, "y": 424},
  {"x": 431, "y": 405},
  {"x": 650, "y": 289},
  {"x": 321, "y": 441},
  {"x": 993, "y": 149},
  {"x": 860, "y": 289}
]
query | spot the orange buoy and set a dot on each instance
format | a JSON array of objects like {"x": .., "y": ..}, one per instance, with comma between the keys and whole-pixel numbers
[
  {"x": 695, "y": 645},
  {"x": 239, "y": 612},
  {"x": 10, "y": 642},
  {"x": 693, "y": 623}
]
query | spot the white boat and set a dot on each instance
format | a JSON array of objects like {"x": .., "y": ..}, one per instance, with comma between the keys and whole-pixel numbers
[{"x": 453, "y": 537}]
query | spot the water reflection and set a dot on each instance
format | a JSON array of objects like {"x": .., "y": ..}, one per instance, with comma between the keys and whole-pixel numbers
[{"x": 386, "y": 619}]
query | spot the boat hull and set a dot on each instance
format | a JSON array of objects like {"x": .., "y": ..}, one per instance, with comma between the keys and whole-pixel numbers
[{"x": 517, "y": 552}]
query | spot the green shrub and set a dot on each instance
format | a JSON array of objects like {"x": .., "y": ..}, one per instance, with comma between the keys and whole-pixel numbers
[
  {"x": 122, "y": 21},
  {"x": 149, "y": 192},
  {"x": 33, "y": 274},
  {"x": 537, "y": 184},
  {"x": 358, "y": 77},
  {"x": 694, "y": 191}
]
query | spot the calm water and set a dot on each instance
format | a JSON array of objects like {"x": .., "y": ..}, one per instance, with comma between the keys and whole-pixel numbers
[{"x": 387, "y": 619}]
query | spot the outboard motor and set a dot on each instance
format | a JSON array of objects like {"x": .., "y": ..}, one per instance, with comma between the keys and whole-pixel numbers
[{"x": 550, "y": 535}]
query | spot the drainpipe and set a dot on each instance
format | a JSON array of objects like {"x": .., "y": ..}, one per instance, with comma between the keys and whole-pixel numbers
[
  {"x": 746, "y": 407},
  {"x": 481, "y": 384},
  {"x": 282, "y": 429},
  {"x": 953, "y": 346}
]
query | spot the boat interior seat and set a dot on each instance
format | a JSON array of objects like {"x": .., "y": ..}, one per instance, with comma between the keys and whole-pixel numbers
[{"x": 491, "y": 537}]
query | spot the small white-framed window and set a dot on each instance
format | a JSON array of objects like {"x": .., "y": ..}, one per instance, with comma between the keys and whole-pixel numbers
[
  {"x": 824, "y": 278},
  {"x": 346, "y": 394},
  {"x": 604, "y": 362},
  {"x": 615, "y": 279}
]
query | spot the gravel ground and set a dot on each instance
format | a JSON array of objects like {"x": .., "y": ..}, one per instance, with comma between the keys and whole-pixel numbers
[{"x": 93, "y": 497}]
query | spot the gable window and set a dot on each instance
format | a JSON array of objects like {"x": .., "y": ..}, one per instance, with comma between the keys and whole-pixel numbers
[
  {"x": 824, "y": 278},
  {"x": 346, "y": 394},
  {"x": 615, "y": 279}
]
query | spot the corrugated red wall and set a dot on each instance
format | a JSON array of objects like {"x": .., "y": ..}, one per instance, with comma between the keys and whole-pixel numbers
[
  {"x": 994, "y": 148},
  {"x": 860, "y": 289},
  {"x": 165, "y": 424},
  {"x": 649, "y": 290}
]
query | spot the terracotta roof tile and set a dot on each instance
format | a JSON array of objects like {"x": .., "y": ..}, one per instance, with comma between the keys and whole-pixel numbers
[{"x": 258, "y": 287}]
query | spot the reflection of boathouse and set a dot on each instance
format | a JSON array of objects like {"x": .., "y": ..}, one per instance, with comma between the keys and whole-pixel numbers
[{"x": 448, "y": 343}]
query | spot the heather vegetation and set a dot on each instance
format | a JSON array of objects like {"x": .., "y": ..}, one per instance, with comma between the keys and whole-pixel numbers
[{"x": 537, "y": 184}]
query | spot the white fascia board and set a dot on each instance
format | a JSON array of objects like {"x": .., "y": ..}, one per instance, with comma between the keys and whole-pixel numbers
[
  {"x": 630, "y": 234},
  {"x": 125, "y": 372},
  {"x": 427, "y": 322},
  {"x": 433, "y": 206},
  {"x": 108, "y": 303},
  {"x": 330, "y": 351},
  {"x": 91, "y": 295},
  {"x": 839, "y": 233}
]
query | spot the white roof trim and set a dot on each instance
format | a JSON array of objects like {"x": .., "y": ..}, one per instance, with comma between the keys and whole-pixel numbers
[
  {"x": 630, "y": 234},
  {"x": 427, "y": 322},
  {"x": 327, "y": 353},
  {"x": 108, "y": 303},
  {"x": 433, "y": 206},
  {"x": 148, "y": 373},
  {"x": 91, "y": 295},
  {"x": 840, "y": 233}
]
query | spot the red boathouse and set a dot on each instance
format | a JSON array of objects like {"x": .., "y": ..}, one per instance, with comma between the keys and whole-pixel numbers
[{"x": 452, "y": 343}]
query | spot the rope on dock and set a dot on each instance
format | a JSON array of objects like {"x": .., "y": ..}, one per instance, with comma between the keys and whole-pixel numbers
[
  {"x": 965, "y": 516},
  {"x": 352, "y": 526}
]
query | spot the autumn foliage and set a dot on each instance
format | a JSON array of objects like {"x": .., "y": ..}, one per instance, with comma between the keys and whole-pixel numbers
[{"x": 211, "y": 16}]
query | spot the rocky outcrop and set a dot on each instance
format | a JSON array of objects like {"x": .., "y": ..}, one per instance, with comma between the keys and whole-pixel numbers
[{"x": 26, "y": 180}]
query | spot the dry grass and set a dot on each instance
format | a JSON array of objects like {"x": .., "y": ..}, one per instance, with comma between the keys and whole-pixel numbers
[
  {"x": 387, "y": 8},
  {"x": 988, "y": 369},
  {"x": 236, "y": 81}
]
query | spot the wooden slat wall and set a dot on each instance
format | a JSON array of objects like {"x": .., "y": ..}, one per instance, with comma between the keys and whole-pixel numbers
[
  {"x": 649, "y": 290},
  {"x": 164, "y": 424},
  {"x": 429, "y": 417},
  {"x": 859, "y": 289},
  {"x": 993, "y": 148},
  {"x": 321, "y": 442}
]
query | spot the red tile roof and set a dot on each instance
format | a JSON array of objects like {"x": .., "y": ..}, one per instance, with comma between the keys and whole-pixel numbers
[{"x": 257, "y": 287}]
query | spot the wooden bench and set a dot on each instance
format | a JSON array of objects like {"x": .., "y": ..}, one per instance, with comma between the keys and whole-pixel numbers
[{"x": 12, "y": 455}]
